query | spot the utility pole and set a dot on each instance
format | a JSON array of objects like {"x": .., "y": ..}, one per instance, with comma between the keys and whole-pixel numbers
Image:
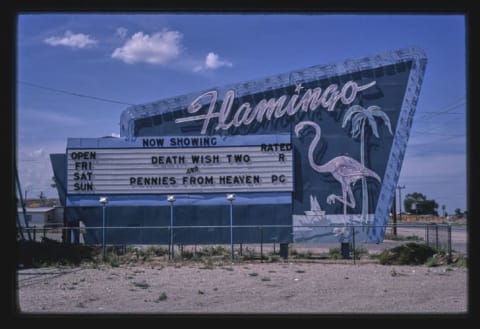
[{"x": 400, "y": 200}]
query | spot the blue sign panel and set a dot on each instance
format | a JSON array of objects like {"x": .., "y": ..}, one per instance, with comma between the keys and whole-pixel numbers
[
  {"x": 348, "y": 125},
  {"x": 349, "y": 122}
]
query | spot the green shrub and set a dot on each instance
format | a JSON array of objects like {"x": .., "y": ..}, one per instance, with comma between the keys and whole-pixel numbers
[
  {"x": 413, "y": 238},
  {"x": 273, "y": 258},
  {"x": 51, "y": 252},
  {"x": 247, "y": 254},
  {"x": 361, "y": 251},
  {"x": 459, "y": 261},
  {"x": 335, "y": 253},
  {"x": 113, "y": 260},
  {"x": 408, "y": 254},
  {"x": 391, "y": 236},
  {"x": 142, "y": 284},
  {"x": 187, "y": 254},
  {"x": 213, "y": 251},
  {"x": 163, "y": 296},
  {"x": 208, "y": 264}
]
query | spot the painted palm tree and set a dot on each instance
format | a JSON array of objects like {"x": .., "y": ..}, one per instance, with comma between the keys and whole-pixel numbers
[
  {"x": 346, "y": 170},
  {"x": 360, "y": 116}
]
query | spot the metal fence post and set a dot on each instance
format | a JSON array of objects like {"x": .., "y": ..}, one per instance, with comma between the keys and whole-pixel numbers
[
  {"x": 261, "y": 244},
  {"x": 171, "y": 232},
  {"x": 103, "y": 234},
  {"x": 103, "y": 200},
  {"x": 231, "y": 231},
  {"x": 231, "y": 197},
  {"x": 171, "y": 199},
  {"x": 425, "y": 237},
  {"x": 449, "y": 244},
  {"x": 427, "y": 231},
  {"x": 353, "y": 242}
]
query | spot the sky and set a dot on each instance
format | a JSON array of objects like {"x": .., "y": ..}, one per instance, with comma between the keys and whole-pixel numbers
[{"x": 76, "y": 73}]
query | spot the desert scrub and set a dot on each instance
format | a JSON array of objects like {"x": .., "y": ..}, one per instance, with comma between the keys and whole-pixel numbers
[
  {"x": 361, "y": 251},
  {"x": 207, "y": 264},
  {"x": 188, "y": 255},
  {"x": 292, "y": 252},
  {"x": 247, "y": 254},
  {"x": 273, "y": 258},
  {"x": 143, "y": 285},
  {"x": 391, "y": 236},
  {"x": 213, "y": 251},
  {"x": 53, "y": 253},
  {"x": 162, "y": 297},
  {"x": 113, "y": 260},
  {"x": 408, "y": 254},
  {"x": 334, "y": 253},
  {"x": 459, "y": 261}
]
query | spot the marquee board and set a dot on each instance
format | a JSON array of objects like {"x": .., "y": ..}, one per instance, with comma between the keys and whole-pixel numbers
[{"x": 174, "y": 165}]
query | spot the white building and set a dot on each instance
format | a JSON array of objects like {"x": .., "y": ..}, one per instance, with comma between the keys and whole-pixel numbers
[{"x": 42, "y": 216}]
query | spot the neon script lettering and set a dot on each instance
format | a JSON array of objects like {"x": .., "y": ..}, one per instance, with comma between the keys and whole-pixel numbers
[{"x": 273, "y": 108}]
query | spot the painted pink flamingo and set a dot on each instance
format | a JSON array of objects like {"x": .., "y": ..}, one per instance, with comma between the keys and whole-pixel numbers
[{"x": 347, "y": 171}]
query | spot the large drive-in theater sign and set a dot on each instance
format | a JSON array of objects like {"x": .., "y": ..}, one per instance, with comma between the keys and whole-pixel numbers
[{"x": 310, "y": 154}]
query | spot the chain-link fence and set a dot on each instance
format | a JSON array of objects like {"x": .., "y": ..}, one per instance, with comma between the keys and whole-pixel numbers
[{"x": 264, "y": 240}]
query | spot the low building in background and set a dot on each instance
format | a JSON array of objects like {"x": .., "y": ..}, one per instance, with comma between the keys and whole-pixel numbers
[{"x": 42, "y": 216}]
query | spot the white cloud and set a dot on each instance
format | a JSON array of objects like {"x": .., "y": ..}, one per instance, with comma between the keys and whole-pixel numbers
[
  {"x": 212, "y": 62},
  {"x": 115, "y": 135},
  {"x": 37, "y": 153},
  {"x": 158, "y": 48},
  {"x": 121, "y": 32},
  {"x": 78, "y": 40}
]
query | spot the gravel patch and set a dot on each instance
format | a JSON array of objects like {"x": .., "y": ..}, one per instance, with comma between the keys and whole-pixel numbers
[{"x": 282, "y": 287}]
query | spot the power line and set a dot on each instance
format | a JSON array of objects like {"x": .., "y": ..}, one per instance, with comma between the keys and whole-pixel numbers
[
  {"x": 437, "y": 140},
  {"x": 437, "y": 134},
  {"x": 444, "y": 110},
  {"x": 444, "y": 139},
  {"x": 72, "y": 93},
  {"x": 433, "y": 112}
]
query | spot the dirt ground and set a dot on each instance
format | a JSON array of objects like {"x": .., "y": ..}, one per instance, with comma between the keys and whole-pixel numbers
[{"x": 280, "y": 287}]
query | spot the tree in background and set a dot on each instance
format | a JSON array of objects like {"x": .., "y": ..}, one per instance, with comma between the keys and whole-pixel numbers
[
  {"x": 458, "y": 213},
  {"x": 419, "y": 204}
]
